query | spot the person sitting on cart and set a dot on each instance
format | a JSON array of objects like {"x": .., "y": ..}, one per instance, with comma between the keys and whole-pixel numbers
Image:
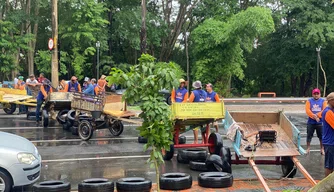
[
  {"x": 96, "y": 88},
  {"x": 73, "y": 85},
  {"x": 62, "y": 85},
  {"x": 31, "y": 81},
  {"x": 21, "y": 84},
  {"x": 42, "y": 95},
  {"x": 181, "y": 94},
  {"x": 89, "y": 87},
  {"x": 101, "y": 83},
  {"x": 197, "y": 95},
  {"x": 212, "y": 97}
]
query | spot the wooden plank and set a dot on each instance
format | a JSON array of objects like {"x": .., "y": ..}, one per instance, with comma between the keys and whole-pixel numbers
[
  {"x": 13, "y": 91},
  {"x": 303, "y": 171},
  {"x": 256, "y": 117},
  {"x": 271, "y": 152},
  {"x": 10, "y": 98},
  {"x": 286, "y": 126},
  {"x": 259, "y": 175}
]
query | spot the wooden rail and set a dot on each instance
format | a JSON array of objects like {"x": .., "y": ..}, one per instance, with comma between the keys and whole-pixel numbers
[
  {"x": 258, "y": 174},
  {"x": 303, "y": 170}
]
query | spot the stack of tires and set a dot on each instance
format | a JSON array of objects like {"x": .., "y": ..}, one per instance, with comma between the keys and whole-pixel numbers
[{"x": 67, "y": 119}]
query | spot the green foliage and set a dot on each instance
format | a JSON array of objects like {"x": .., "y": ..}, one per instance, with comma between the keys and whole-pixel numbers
[
  {"x": 43, "y": 62},
  {"x": 143, "y": 83}
]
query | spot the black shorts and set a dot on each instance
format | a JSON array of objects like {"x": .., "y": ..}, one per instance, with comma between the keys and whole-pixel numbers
[
  {"x": 329, "y": 156},
  {"x": 310, "y": 131}
]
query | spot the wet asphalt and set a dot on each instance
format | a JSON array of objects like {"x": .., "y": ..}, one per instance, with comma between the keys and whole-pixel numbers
[{"x": 66, "y": 157}]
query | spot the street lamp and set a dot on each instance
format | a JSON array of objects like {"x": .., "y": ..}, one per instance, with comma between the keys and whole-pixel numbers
[{"x": 98, "y": 59}]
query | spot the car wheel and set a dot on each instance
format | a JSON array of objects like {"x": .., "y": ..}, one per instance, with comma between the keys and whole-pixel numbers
[
  {"x": 168, "y": 155},
  {"x": 52, "y": 186},
  {"x": 133, "y": 184},
  {"x": 45, "y": 115},
  {"x": 215, "y": 180},
  {"x": 116, "y": 129},
  {"x": 175, "y": 181},
  {"x": 96, "y": 185},
  {"x": 6, "y": 182},
  {"x": 142, "y": 139},
  {"x": 193, "y": 155},
  {"x": 62, "y": 116},
  {"x": 85, "y": 130},
  {"x": 215, "y": 139},
  {"x": 9, "y": 108},
  {"x": 288, "y": 167},
  {"x": 198, "y": 166}
]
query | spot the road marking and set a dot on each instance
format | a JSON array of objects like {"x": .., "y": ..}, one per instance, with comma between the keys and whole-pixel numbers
[
  {"x": 95, "y": 158},
  {"x": 18, "y": 128},
  {"x": 73, "y": 140}
]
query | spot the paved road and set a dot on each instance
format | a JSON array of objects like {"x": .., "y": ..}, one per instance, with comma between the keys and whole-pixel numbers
[{"x": 66, "y": 157}]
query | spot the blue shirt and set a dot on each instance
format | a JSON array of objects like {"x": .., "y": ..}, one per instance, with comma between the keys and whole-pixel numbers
[
  {"x": 327, "y": 130},
  {"x": 40, "y": 95},
  {"x": 179, "y": 94},
  {"x": 316, "y": 107},
  {"x": 200, "y": 95},
  {"x": 210, "y": 97},
  {"x": 89, "y": 90}
]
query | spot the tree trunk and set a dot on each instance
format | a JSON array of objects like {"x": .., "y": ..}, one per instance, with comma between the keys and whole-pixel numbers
[
  {"x": 301, "y": 85},
  {"x": 143, "y": 34},
  {"x": 54, "y": 62},
  {"x": 110, "y": 18},
  {"x": 325, "y": 185},
  {"x": 293, "y": 85},
  {"x": 324, "y": 73},
  {"x": 187, "y": 57}
]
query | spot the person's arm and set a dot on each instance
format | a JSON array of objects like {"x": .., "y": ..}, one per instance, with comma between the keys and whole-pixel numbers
[
  {"x": 217, "y": 98},
  {"x": 329, "y": 118},
  {"x": 324, "y": 105},
  {"x": 66, "y": 88},
  {"x": 192, "y": 97},
  {"x": 96, "y": 90},
  {"x": 88, "y": 90},
  {"x": 104, "y": 85},
  {"x": 45, "y": 94},
  {"x": 79, "y": 88},
  {"x": 185, "y": 99},
  {"x": 173, "y": 96},
  {"x": 308, "y": 110}
]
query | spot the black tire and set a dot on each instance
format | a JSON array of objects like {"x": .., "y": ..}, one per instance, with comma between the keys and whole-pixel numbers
[
  {"x": 116, "y": 129},
  {"x": 215, "y": 180},
  {"x": 85, "y": 130},
  {"x": 169, "y": 100},
  {"x": 74, "y": 130},
  {"x": 198, "y": 166},
  {"x": 175, "y": 181},
  {"x": 52, "y": 186},
  {"x": 142, "y": 139},
  {"x": 67, "y": 125},
  {"x": 214, "y": 163},
  {"x": 288, "y": 167},
  {"x": 225, "y": 154},
  {"x": 45, "y": 116},
  {"x": 10, "y": 109},
  {"x": 96, "y": 185},
  {"x": 181, "y": 160},
  {"x": 217, "y": 141},
  {"x": 133, "y": 184},
  {"x": 182, "y": 139},
  {"x": 169, "y": 154},
  {"x": 193, "y": 155},
  {"x": 71, "y": 115},
  {"x": 31, "y": 114},
  {"x": 6, "y": 180},
  {"x": 61, "y": 118}
]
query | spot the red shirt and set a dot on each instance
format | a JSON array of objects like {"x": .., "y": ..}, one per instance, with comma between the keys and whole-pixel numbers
[{"x": 40, "y": 79}]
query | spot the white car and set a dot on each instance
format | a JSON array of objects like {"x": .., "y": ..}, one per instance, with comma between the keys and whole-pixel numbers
[{"x": 20, "y": 162}]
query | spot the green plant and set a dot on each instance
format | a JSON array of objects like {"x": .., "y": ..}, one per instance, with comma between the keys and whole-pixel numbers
[{"x": 143, "y": 83}]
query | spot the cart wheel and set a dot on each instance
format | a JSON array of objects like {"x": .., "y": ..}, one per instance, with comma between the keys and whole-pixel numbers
[
  {"x": 85, "y": 130},
  {"x": 168, "y": 155},
  {"x": 116, "y": 128},
  {"x": 45, "y": 118},
  {"x": 215, "y": 139},
  {"x": 62, "y": 116},
  {"x": 288, "y": 167},
  {"x": 9, "y": 108}
]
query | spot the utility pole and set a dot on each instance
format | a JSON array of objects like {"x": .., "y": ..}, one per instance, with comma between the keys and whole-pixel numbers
[
  {"x": 143, "y": 34},
  {"x": 98, "y": 59},
  {"x": 187, "y": 56},
  {"x": 54, "y": 61},
  {"x": 318, "y": 62}
]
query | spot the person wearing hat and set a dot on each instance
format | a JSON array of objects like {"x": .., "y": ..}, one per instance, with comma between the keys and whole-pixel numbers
[
  {"x": 96, "y": 88},
  {"x": 73, "y": 85},
  {"x": 89, "y": 87},
  {"x": 197, "y": 95},
  {"x": 212, "y": 96},
  {"x": 20, "y": 83},
  {"x": 313, "y": 108},
  {"x": 16, "y": 79},
  {"x": 328, "y": 134},
  {"x": 85, "y": 84},
  {"x": 42, "y": 95},
  {"x": 181, "y": 94},
  {"x": 101, "y": 83}
]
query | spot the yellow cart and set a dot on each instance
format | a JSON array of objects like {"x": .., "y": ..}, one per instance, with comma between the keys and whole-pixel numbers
[{"x": 10, "y": 98}]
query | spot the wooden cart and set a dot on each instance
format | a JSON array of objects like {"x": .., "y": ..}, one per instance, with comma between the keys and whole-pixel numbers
[
  {"x": 10, "y": 98},
  {"x": 243, "y": 129},
  {"x": 189, "y": 115},
  {"x": 99, "y": 112}
]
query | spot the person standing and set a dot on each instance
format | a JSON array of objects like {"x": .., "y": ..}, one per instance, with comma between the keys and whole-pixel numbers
[
  {"x": 328, "y": 134},
  {"x": 197, "y": 95},
  {"x": 42, "y": 95},
  {"x": 31, "y": 81},
  {"x": 73, "y": 85},
  {"x": 181, "y": 94},
  {"x": 313, "y": 108},
  {"x": 101, "y": 83},
  {"x": 212, "y": 97},
  {"x": 21, "y": 84},
  {"x": 89, "y": 87}
]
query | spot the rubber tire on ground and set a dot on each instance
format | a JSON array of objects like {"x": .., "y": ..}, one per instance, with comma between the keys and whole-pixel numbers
[
  {"x": 142, "y": 139},
  {"x": 182, "y": 139},
  {"x": 181, "y": 160},
  {"x": 74, "y": 130},
  {"x": 193, "y": 154},
  {"x": 31, "y": 114},
  {"x": 175, "y": 181},
  {"x": 215, "y": 180},
  {"x": 45, "y": 116},
  {"x": 52, "y": 186},
  {"x": 11, "y": 109},
  {"x": 169, "y": 154},
  {"x": 7, "y": 180},
  {"x": 214, "y": 163},
  {"x": 71, "y": 115},
  {"x": 288, "y": 167},
  {"x": 217, "y": 141},
  {"x": 133, "y": 184},
  {"x": 198, "y": 166},
  {"x": 67, "y": 126},
  {"x": 85, "y": 130},
  {"x": 116, "y": 129},
  {"x": 96, "y": 185},
  {"x": 61, "y": 113},
  {"x": 225, "y": 154}
]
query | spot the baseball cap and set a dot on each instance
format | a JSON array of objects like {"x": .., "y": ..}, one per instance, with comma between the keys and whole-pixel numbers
[
  {"x": 21, "y": 77},
  {"x": 316, "y": 90},
  {"x": 86, "y": 79}
]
